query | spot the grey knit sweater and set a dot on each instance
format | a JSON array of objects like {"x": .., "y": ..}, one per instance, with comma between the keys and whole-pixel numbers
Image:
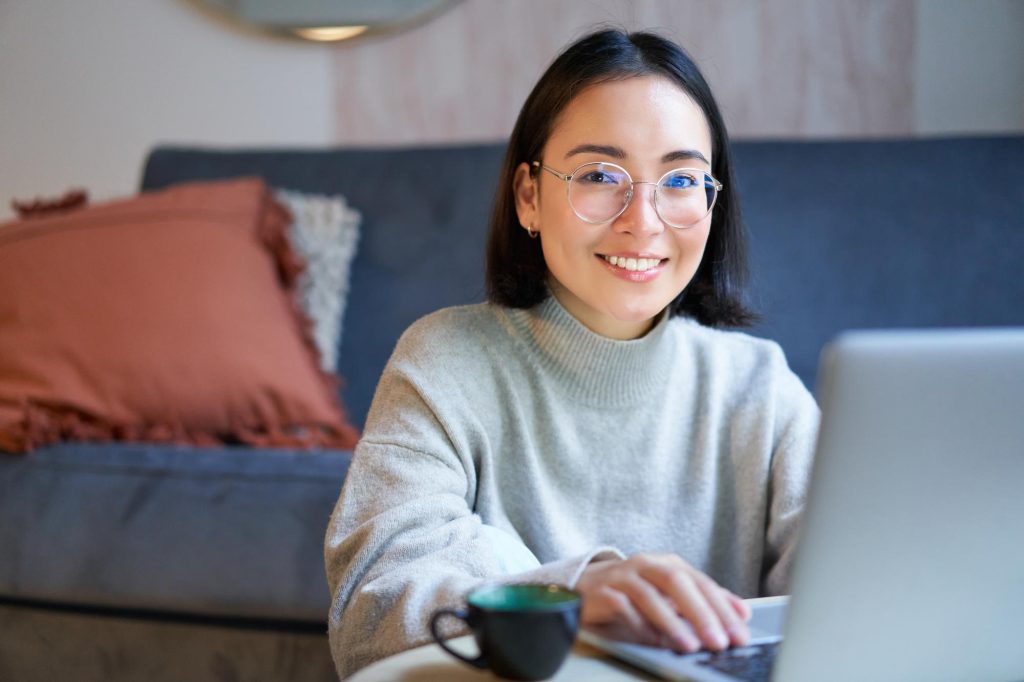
[{"x": 517, "y": 445}]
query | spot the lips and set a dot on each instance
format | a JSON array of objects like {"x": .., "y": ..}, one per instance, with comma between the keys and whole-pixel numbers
[
  {"x": 631, "y": 263},
  {"x": 638, "y": 269}
]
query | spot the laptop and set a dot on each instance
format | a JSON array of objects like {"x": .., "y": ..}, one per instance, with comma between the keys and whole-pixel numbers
[{"x": 911, "y": 557}]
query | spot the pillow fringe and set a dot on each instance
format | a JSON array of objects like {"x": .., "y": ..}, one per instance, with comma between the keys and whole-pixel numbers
[
  {"x": 42, "y": 425},
  {"x": 41, "y": 207}
]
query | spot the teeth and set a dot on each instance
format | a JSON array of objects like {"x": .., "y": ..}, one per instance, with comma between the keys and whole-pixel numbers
[{"x": 632, "y": 264}]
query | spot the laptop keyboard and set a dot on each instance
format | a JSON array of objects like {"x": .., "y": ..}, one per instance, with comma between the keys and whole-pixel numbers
[{"x": 752, "y": 663}]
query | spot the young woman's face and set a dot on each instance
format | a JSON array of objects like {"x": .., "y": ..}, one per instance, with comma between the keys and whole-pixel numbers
[{"x": 648, "y": 126}]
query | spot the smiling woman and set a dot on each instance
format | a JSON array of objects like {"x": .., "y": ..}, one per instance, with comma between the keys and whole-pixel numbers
[
  {"x": 651, "y": 121},
  {"x": 592, "y": 425},
  {"x": 649, "y": 111}
]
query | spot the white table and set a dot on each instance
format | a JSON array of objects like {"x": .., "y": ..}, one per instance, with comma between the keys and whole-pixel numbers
[{"x": 430, "y": 663}]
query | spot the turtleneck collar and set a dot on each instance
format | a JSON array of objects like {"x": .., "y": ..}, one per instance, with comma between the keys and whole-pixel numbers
[{"x": 593, "y": 368}]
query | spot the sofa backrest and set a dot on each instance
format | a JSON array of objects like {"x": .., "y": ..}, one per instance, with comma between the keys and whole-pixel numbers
[{"x": 849, "y": 234}]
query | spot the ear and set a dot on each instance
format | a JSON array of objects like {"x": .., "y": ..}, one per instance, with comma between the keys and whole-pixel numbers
[{"x": 526, "y": 191}]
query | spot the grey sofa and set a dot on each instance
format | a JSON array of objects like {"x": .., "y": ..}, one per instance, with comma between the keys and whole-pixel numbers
[{"x": 143, "y": 562}]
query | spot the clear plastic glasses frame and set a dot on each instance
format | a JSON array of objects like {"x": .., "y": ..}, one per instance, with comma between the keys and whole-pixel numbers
[{"x": 677, "y": 205}]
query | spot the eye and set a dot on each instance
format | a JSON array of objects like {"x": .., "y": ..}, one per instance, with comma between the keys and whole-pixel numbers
[
  {"x": 598, "y": 176},
  {"x": 680, "y": 180}
]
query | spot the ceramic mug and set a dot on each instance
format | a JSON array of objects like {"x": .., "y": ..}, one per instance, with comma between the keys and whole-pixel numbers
[{"x": 524, "y": 631}]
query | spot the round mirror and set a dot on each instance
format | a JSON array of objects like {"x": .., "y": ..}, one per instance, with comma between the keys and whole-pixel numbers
[{"x": 328, "y": 20}]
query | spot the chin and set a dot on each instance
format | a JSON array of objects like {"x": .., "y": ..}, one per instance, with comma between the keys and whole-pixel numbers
[{"x": 636, "y": 314}]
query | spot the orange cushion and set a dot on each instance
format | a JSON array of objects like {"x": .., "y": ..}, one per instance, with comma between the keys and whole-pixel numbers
[{"x": 169, "y": 317}]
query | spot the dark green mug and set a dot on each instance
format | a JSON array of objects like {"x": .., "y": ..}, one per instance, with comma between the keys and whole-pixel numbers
[{"x": 524, "y": 632}]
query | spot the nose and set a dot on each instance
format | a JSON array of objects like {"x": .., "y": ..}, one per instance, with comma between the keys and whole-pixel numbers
[{"x": 640, "y": 217}]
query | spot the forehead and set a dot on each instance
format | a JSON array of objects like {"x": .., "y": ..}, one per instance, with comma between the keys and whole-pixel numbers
[{"x": 646, "y": 116}]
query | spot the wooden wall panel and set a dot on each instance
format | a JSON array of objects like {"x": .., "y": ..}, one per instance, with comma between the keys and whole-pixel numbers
[{"x": 785, "y": 68}]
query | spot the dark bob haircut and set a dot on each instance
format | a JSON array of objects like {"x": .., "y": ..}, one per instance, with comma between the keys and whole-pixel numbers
[{"x": 516, "y": 272}]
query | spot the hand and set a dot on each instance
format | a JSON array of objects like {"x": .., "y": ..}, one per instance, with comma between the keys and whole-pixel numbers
[{"x": 660, "y": 600}]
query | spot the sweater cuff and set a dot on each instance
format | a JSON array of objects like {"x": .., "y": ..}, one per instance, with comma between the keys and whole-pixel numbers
[{"x": 565, "y": 571}]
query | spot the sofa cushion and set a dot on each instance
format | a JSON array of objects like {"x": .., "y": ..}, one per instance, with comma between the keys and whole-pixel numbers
[
  {"x": 882, "y": 233},
  {"x": 168, "y": 317},
  {"x": 231, "y": 531}
]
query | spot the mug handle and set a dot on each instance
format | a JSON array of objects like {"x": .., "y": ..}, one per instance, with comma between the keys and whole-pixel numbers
[{"x": 478, "y": 662}]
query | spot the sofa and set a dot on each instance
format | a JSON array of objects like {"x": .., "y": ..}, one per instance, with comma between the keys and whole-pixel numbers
[{"x": 136, "y": 561}]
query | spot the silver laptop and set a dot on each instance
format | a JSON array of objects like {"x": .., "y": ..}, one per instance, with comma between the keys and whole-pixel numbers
[{"x": 911, "y": 557}]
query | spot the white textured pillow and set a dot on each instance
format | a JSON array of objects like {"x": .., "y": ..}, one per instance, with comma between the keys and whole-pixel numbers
[{"x": 325, "y": 232}]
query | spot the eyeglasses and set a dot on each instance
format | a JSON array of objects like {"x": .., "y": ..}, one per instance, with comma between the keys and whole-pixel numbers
[{"x": 599, "y": 192}]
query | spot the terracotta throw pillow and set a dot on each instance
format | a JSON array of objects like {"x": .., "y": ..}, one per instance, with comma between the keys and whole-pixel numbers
[{"x": 170, "y": 317}]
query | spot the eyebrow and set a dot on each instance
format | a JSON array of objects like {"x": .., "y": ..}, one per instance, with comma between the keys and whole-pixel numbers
[
  {"x": 619, "y": 153},
  {"x": 684, "y": 155},
  {"x": 607, "y": 150}
]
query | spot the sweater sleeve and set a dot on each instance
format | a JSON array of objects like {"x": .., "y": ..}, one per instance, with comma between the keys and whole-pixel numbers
[
  {"x": 796, "y": 426},
  {"x": 404, "y": 539}
]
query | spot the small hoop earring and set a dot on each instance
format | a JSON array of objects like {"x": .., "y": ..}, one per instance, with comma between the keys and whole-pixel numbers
[{"x": 532, "y": 232}]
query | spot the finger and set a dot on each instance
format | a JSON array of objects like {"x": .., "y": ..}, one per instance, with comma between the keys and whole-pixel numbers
[
  {"x": 681, "y": 587},
  {"x": 650, "y": 603},
  {"x": 619, "y": 631},
  {"x": 741, "y": 607},
  {"x": 619, "y": 609},
  {"x": 611, "y": 614},
  {"x": 735, "y": 627}
]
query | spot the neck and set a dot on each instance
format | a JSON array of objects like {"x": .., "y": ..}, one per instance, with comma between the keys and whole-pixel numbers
[{"x": 604, "y": 325}]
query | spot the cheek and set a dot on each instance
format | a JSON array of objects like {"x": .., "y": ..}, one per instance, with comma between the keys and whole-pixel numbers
[
  {"x": 690, "y": 247},
  {"x": 692, "y": 242},
  {"x": 565, "y": 251},
  {"x": 555, "y": 214},
  {"x": 567, "y": 237}
]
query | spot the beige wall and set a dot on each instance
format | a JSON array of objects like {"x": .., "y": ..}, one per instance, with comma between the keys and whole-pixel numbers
[
  {"x": 87, "y": 88},
  {"x": 969, "y": 66},
  {"x": 780, "y": 68}
]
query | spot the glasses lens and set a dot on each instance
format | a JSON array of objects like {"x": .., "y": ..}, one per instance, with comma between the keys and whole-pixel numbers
[
  {"x": 598, "y": 191},
  {"x": 685, "y": 196}
]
